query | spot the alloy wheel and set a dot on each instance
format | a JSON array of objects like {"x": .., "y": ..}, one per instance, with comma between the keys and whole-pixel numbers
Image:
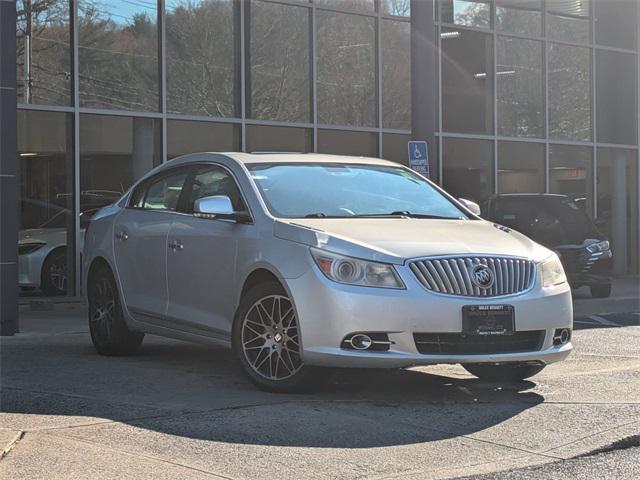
[
  {"x": 103, "y": 304},
  {"x": 270, "y": 338}
]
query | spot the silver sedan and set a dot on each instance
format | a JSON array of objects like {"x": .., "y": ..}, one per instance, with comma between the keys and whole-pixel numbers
[{"x": 304, "y": 261}]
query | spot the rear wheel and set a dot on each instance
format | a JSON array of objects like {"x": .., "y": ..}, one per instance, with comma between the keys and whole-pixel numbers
[
  {"x": 54, "y": 273},
  {"x": 600, "y": 291},
  {"x": 109, "y": 331},
  {"x": 509, "y": 372},
  {"x": 266, "y": 340}
]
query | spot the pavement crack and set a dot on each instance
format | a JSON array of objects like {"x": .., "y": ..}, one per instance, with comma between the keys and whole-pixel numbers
[{"x": 14, "y": 441}]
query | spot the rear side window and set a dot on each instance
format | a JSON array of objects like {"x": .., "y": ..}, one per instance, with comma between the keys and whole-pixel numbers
[
  {"x": 160, "y": 193},
  {"x": 210, "y": 181}
]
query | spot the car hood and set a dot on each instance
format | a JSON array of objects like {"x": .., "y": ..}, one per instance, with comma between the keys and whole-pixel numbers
[
  {"x": 50, "y": 236},
  {"x": 395, "y": 240}
]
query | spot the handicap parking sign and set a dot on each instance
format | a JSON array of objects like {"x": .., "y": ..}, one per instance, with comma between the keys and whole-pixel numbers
[{"x": 419, "y": 157}]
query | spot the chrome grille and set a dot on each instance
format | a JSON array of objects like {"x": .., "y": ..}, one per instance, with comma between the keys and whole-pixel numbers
[{"x": 453, "y": 275}]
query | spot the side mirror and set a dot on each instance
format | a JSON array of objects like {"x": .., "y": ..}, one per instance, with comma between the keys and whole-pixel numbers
[
  {"x": 219, "y": 207},
  {"x": 473, "y": 207}
]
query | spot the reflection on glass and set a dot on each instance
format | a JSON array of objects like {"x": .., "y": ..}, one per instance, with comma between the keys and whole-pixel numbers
[
  {"x": 399, "y": 8},
  {"x": 520, "y": 167},
  {"x": 118, "y": 54},
  {"x": 47, "y": 222},
  {"x": 569, "y": 92},
  {"x": 348, "y": 143},
  {"x": 364, "y": 5},
  {"x": 346, "y": 69},
  {"x": 43, "y": 52},
  {"x": 467, "y": 81},
  {"x": 395, "y": 147},
  {"x": 616, "y": 97},
  {"x": 616, "y": 23},
  {"x": 470, "y": 13},
  {"x": 264, "y": 138},
  {"x": 114, "y": 153},
  {"x": 396, "y": 74},
  {"x": 280, "y": 62},
  {"x": 185, "y": 137},
  {"x": 521, "y": 17},
  {"x": 201, "y": 57},
  {"x": 467, "y": 168},
  {"x": 618, "y": 205},
  {"x": 519, "y": 87},
  {"x": 568, "y": 21},
  {"x": 571, "y": 173}
]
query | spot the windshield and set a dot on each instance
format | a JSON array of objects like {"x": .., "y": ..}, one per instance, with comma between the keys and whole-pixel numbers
[{"x": 347, "y": 191}]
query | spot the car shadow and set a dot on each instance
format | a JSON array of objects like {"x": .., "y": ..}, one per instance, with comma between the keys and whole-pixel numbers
[{"x": 200, "y": 393}]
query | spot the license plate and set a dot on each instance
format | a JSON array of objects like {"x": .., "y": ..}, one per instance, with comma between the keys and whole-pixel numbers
[{"x": 487, "y": 320}]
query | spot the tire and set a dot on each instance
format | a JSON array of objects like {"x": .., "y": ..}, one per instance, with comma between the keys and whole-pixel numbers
[
  {"x": 600, "y": 291},
  {"x": 109, "y": 332},
  {"x": 514, "y": 372},
  {"x": 266, "y": 341},
  {"x": 54, "y": 277}
]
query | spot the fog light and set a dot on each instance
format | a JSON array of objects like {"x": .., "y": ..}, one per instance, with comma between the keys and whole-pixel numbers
[
  {"x": 361, "y": 341},
  {"x": 561, "y": 336}
]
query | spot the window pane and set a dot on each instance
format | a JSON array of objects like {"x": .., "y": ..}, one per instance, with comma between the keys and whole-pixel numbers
[
  {"x": 364, "y": 5},
  {"x": 201, "y": 53},
  {"x": 43, "y": 52},
  {"x": 346, "y": 69},
  {"x": 616, "y": 96},
  {"x": 118, "y": 49},
  {"x": 280, "y": 62},
  {"x": 348, "y": 143},
  {"x": 519, "y": 88},
  {"x": 263, "y": 138},
  {"x": 190, "y": 137},
  {"x": 466, "y": 12},
  {"x": 568, "y": 21},
  {"x": 396, "y": 74},
  {"x": 47, "y": 221},
  {"x": 400, "y": 8},
  {"x": 569, "y": 92},
  {"x": 520, "y": 167},
  {"x": 165, "y": 193},
  {"x": 571, "y": 173},
  {"x": 395, "y": 148},
  {"x": 468, "y": 168},
  {"x": 522, "y": 17},
  {"x": 617, "y": 23},
  {"x": 618, "y": 205},
  {"x": 467, "y": 81},
  {"x": 114, "y": 153}
]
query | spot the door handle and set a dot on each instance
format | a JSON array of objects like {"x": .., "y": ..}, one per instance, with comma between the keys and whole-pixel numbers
[
  {"x": 122, "y": 236},
  {"x": 175, "y": 245}
]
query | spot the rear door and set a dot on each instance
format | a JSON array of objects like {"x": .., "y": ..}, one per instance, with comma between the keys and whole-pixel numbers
[
  {"x": 201, "y": 266},
  {"x": 140, "y": 244}
]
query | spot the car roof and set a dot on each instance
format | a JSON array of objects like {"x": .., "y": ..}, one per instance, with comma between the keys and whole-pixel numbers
[{"x": 310, "y": 158}]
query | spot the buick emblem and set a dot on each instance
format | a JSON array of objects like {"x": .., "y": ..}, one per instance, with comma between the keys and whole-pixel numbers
[{"x": 482, "y": 276}]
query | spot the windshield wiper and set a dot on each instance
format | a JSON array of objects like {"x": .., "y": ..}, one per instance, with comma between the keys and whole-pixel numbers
[
  {"x": 316, "y": 215},
  {"x": 405, "y": 213}
]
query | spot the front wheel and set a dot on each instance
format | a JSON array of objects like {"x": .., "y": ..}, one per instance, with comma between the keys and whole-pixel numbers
[
  {"x": 266, "y": 340},
  {"x": 600, "y": 291},
  {"x": 509, "y": 372}
]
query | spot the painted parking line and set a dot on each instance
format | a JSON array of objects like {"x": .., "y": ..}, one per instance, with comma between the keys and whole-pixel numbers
[{"x": 604, "y": 321}]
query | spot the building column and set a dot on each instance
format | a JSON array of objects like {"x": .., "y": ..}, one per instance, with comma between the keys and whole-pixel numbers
[
  {"x": 619, "y": 215},
  {"x": 8, "y": 172},
  {"x": 423, "y": 78}
]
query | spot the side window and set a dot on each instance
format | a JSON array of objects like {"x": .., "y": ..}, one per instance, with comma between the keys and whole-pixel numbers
[
  {"x": 137, "y": 197},
  {"x": 211, "y": 181},
  {"x": 164, "y": 193}
]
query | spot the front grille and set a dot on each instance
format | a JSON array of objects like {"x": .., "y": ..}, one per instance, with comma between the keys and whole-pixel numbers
[
  {"x": 453, "y": 275},
  {"x": 461, "y": 344}
]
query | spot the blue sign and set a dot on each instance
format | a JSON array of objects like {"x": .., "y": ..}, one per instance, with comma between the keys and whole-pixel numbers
[{"x": 419, "y": 157}]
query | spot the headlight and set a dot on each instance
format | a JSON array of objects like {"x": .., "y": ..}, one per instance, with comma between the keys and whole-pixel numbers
[
  {"x": 599, "y": 247},
  {"x": 27, "y": 248},
  {"x": 353, "y": 271},
  {"x": 552, "y": 272}
]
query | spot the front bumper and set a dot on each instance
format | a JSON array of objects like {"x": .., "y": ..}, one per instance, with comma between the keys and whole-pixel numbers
[
  {"x": 30, "y": 270},
  {"x": 328, "y": 311}
]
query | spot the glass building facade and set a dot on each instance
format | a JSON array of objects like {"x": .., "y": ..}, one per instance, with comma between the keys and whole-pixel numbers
[{"x": 531, "y": 96}]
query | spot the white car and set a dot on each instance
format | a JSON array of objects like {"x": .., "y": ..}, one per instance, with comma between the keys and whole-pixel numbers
[{"x": 301, "y": 261}]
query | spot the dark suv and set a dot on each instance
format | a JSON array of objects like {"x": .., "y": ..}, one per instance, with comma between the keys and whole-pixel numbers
[{"x": 557, "y": 222}]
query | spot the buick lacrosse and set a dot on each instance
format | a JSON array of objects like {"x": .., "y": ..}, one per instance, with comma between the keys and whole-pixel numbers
[{"x": 303, "y": 261}]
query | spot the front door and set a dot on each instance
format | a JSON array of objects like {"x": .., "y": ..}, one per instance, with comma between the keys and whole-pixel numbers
[
  {"x": 201, "y": 265},
  {"x": 140, "y": 244}
]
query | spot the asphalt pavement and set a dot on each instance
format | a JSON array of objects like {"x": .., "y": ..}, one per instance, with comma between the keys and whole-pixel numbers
[{"x": 178, "y": 410}]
